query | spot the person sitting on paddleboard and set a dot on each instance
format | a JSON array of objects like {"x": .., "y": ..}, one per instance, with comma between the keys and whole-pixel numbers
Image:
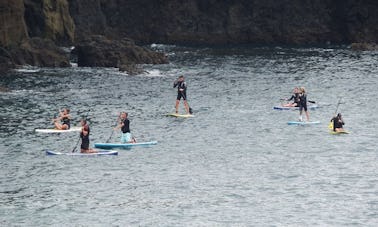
[
  {"x": 84, "y": 135},
  {"x": 294, "y": 97},
  {"x": 181, "y": 93},
  {"x": 303, "y": 104},
  {"x": 63, "y": 121},
  {"x": 338, "y": 123},
  {"x": 124, "y": 125}
]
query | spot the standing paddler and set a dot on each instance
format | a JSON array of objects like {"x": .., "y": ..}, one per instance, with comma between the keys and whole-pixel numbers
[{"x": 181, "y": 93}]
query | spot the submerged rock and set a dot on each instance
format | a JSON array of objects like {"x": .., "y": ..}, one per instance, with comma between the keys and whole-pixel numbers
[
  {"x": 364, "y": 46},
  {"x": 99, "y": 51}
]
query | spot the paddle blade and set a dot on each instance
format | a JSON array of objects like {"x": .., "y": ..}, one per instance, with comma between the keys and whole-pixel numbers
[{"x": 190, "y": 110}]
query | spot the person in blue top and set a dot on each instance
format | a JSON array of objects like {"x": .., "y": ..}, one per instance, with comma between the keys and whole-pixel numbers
[
  {"x": 181, "y": 93},
  {"x": 124, "y": 125}
]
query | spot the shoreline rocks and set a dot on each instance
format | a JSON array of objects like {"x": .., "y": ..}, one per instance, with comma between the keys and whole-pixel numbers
[
  {"x": 99, "y": 51},
  {"x": 364, "y": 46}
]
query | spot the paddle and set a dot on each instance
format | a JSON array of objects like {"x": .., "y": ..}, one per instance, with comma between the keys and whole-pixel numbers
[
  {"x": 74, "y": 149},
  {"x": 111, "y": 135}
]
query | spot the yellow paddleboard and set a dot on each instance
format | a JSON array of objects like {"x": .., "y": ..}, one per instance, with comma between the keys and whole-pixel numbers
[
  {"x": 180, "y": 115},
  {"x": 338, "y": 133}
]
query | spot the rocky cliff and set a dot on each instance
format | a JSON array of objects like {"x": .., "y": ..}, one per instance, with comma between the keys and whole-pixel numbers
[
  {"x": 236, "y": 21},
  {"x": 26, "y": 24},
  {"x": 50, "y": 19}
]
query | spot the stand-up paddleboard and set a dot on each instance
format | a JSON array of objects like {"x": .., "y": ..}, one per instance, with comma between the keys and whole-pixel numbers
[
  {"x": 98, "y": 153},
  {"x": 338, "y": 133},
  {"x": 123, "y": 145},
  {"x": 53, "y": 130},
  {"x": 303, "y": 122},
  {"x": 180, "y": 115},
  {"x": 311, "y": 107}
]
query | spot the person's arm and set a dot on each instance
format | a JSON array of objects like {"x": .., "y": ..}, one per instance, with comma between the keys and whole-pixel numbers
[
  {"x": 120, "y": 125},
  {"x": 175, "y": 83},
  {"x": 184, "y": 86}
]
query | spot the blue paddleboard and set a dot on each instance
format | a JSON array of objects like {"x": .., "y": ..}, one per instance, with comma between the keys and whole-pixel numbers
[
  {"x": 98, "y": 153},
  {"x": 311, "y": 107},
  {"x": 303, "y": 122},
  {"x": 123, "y": 145}
]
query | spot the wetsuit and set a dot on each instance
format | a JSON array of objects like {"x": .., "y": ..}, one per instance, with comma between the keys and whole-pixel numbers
[
  {"x": 302, "y": 102},
  {"x": 295, "y": 97},
  {"x": 180, "y": 85},
  {"x": 337, "y": 123},
  {"x": 66, "y": 121},
  {"x": 84, "y": 140}
]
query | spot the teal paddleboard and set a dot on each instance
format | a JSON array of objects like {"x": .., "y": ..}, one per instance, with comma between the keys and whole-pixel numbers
[{"x": 123, "y": 145}]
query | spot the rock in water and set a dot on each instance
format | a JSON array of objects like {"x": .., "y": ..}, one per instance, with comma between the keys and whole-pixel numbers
[{"x": 99, "y": 51}]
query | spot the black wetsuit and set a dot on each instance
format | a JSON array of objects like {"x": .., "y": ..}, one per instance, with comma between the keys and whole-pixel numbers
[
  {"x": 337, "y": 123},
  {"x": 66, "y": 121},
  {"x": 84, "y": 140},
  {"x": 295, "y": 97},
  {"x": 303, "y": 102},
  {"x": 180, "y": 85},
  {"x": 126, "y": 126}
]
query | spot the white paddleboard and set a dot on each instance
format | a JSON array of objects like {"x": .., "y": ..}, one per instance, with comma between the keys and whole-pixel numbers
[
  {"x": 180, "y": 115},
  {"x": 53, "y": 130},
  {"x": 303, "y": 122}
]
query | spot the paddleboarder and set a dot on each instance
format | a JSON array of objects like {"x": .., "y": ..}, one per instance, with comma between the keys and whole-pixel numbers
[
  {"x": 181, "y": 93},
  {"x": 62, "y": 122},
  {"x": 124, "y": 125},
  {"x": 338, "y": 123},
  {"x": 84, "y": 135},
  {"x": 294, "y": 97},
  {"x": 303, "y": 104}
]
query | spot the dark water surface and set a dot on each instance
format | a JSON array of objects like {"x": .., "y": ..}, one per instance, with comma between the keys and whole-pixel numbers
[{"x": 237, "y": 163}]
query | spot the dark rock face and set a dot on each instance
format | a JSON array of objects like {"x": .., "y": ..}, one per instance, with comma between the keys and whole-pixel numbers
[
  {"x": 50, "y": 19},
  {"x": 16, "y": 46},
  {"x": 12, "y": 25},
  {"x": 237, "y": 21},
  {"x": 98, "y": 51},
  {"x": 40, "y": 52}
]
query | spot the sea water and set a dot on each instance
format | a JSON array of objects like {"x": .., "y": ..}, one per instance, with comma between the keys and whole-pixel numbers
[{"x": 236, "y": 163}]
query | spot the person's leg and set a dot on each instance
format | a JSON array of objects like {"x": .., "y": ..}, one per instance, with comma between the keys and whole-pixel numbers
[
  {"x": 57, "y": 125},
  {"x": 177, "y": 105},
  {"x": 127, "y": 137},
  {"x": 186, "y": 106},
  {"x": 123, "y": 138},
  {"x": 307, "y": 116}
]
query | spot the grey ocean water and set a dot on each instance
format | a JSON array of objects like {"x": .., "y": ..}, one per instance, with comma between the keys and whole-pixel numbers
[{"x": 237, "y": 163}]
